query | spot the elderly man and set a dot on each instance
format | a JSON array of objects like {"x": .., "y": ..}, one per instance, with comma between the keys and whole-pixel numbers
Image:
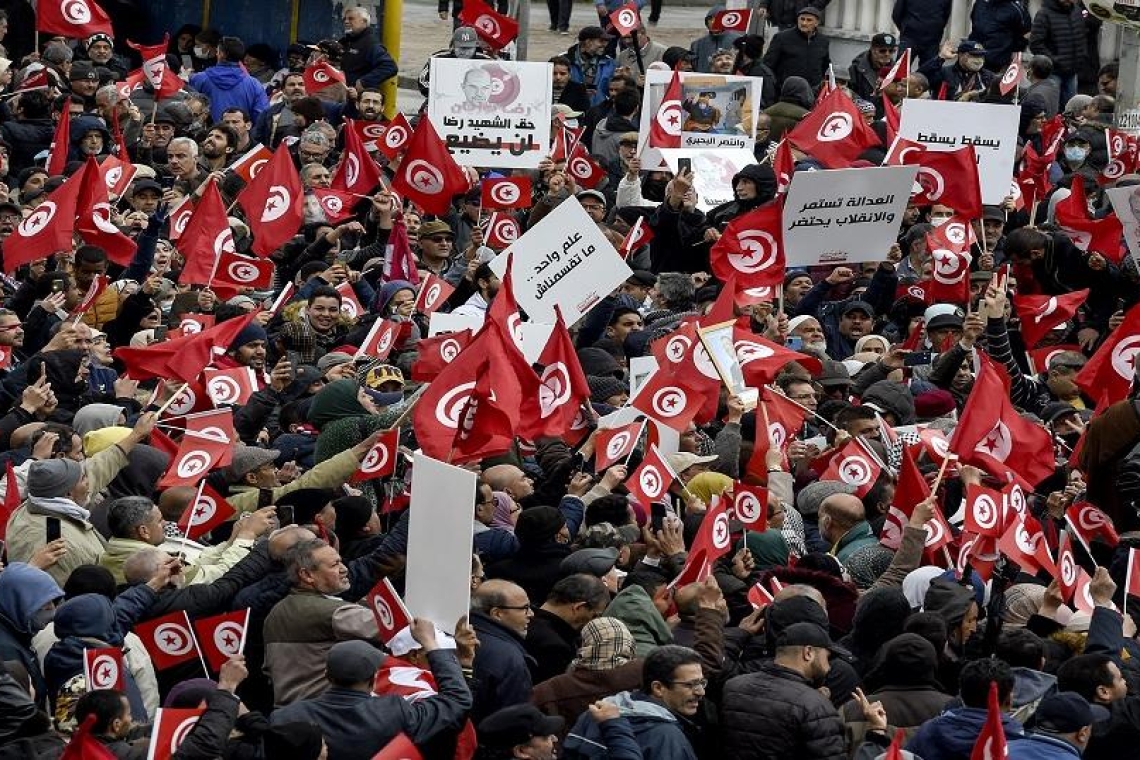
[
  {"x": 366, "y": 63},
  {"x": 501, "y": 614},
  {"x": 868, "y": 66},
  {"x": 305, "y": 625}
]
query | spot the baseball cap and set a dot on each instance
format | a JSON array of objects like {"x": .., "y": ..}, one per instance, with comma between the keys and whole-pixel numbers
[
  {"x": 11, "y": 206},
  {"x": 834, "y": 373},
  {"x": 628, "y": 138},
  {"x": 353, "y": 661},
  {"x": 1066, "y": 712},
  {"x": 83, "y": 71},
  {"x": 596, "y": 195},
  {"x": 593, "y": 33},
  {"x": 464, "y": 36},
  {"x": 994, "y": 213},
  {"x": 515, "y": 725},
  {"x": 435, "y": 227},
  {"x": 884, "y": 40},
  {"x": 809, "y": 635},
  {"x": 642, "y": 278},
  {"x": 683, "y": 460},
  {"x": 972, "y": 47},
  {"x": 565, "y": 111},
  {"x": 145, "y": 184},
  {"x": 942, "y": 315},
  {"x": 858, "y": 306}
]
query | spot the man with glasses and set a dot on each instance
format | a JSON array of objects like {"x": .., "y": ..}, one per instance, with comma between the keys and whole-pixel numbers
[
  {"x": 501, "y": 614},
  {"x": 436, "y": 247},
  {"x": 594, "y": 203},
  {"x": 661, "y": 714}
]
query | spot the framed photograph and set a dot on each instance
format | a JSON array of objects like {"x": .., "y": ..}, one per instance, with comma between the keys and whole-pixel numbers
[{"x": 718, "y": 343}]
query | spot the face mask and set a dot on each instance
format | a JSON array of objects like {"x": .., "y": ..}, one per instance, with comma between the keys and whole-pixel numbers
[
  {"x": 201, "y": 52},
  {"x": 41, "y": 618},
  {"x": 974, "y": 64},
  {"x": 1075, "y": 154},
  {"x": 465, "y": 52},
  {"x": 938, "y": 221}
]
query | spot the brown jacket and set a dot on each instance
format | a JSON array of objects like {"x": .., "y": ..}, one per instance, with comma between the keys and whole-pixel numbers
[{"x": 570, "y": 694}]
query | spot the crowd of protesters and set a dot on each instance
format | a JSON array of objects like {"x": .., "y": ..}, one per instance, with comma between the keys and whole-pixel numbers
[{"x": 860, "y": 618}]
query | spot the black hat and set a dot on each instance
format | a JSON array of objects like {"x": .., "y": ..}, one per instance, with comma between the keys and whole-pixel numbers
[
  {"x": 83, "y": 71},
  {"x": 595, "y": 562},
  {"x": 642, "y": 278},
  {"x": 593, "y": 33},
  {"x": 811, "y": 10},
  {"x": 1056, "y": 410},
  {"x": 12, "y": 207},
  {"x": 856, "y": 305},
  {"x": 145, "y": 184},
  {"x": 993, "y": 213},
  {"x": 515, "y": 725},
  {"x": 971, "y": 47},
  {"x": 884, "y": 40},
  {"x": 1066, "y": 712},
  {"x": 809, "y": 635}
]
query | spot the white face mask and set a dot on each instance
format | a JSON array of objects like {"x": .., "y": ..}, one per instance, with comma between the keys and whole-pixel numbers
[
  {"x": 201, "y": 52},
  {"x": 938, "y": 221}
]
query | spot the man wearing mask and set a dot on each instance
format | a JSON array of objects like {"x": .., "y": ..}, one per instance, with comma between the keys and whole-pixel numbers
[
  {"x": 967, "y": 73},
  {"x": 779, "y": 711},
  {"x": 28, "y": 597},
  {"x": 464, "y": 45}
]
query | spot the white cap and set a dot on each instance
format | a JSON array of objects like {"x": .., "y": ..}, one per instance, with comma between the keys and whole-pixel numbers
[{"x": 937, "y": 310}]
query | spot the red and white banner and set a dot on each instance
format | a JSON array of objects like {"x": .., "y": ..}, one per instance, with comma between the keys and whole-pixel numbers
[
  {"x": 391, "y": 614},
  {"x": 103, "y": 668}
]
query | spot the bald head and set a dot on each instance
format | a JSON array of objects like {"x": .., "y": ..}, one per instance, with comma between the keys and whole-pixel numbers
[
  {"x": 284, "y": 539},
  {"x": 141, "y": 566},
  {"x": 508, "y": 479},
  {"x": 838, "y": 514},
  {"x": 174, "y": 501},
  {"x": 801, "y": 589}
]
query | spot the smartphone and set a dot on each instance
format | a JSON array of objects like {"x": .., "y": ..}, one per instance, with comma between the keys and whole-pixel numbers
[
  {"x": 917, "y": 358},
  {"x": 294, "y": 360},
  {"x": 684, "y": 165},
  {"x": 285, "y": 515},
  {"x": 57, "y": 286},
  {"x": 54, "y": 529},
  {"x": 657, "y": 516},
  {"x": 794, "y": 342},
  {"x": 160, "y": 333},
  {"x": 166, "y": 182}
]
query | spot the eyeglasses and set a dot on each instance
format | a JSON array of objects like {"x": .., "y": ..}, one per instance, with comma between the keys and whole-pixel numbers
[
  {"x": 698, "y": 683},
  {"x": 511, "y": 607}
]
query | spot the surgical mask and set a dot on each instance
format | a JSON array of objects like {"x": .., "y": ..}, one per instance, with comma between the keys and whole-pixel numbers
[
  {"x": 938, "y": 221},
  {"x": 466, "y": 51},
  {"x": 1076, "y": 154},
  {"x": 974, "y": 64},
  {"x": 41, "y": 618},
  {"x": 201, "y": 52}
]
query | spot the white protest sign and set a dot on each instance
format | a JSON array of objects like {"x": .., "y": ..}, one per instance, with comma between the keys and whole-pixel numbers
[
  {"x": 446, "y": 323},
  {"x": 491, "y": 113},
  {"x": 712, "y": 172},
  {"x": 947, "y": 125},
  {"x": 563, "y": 261},
  {"x": 534, "y": 338},
  {"x": 719, "y": 111},
  {"x": 438, "y": 574},
  {"x": 1126, "y": 203},
  {"x": 840, "y": 216}
]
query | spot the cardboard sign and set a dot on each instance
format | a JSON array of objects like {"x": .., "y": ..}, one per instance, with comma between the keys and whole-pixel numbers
[
  {"x": 841, "y": 216},
  {"x": 990, "y": 127},
  {"x": 438, "y": 585},
  {"x": 440, "y": 323},
  {"x": 562, "y": 261},
  {"x": 491, "y": 113},
  {"x": 1126, "y": 203}
]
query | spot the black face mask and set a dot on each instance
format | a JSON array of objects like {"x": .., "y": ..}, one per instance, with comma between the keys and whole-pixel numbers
[{"x": 654, "y": 189}]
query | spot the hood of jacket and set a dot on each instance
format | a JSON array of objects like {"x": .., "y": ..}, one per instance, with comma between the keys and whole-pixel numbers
[
  {"x": 763, "y": 178},
  {"x": 797, "y": 90},
  {"x": 225, "y": 75},
  {"x": 94, "y": 417},
  {"x": 24, "y": 590},
  {"x": 145, "y": 465},
  {"x": 1031, "y": 686},
  {"x": 87, "y": 616},
  {"x": 635, "y": 704},
  {"x": 892, "y": 397},
  {"x": 959, "y": 728},
  {"x": 635, "y": 608}
]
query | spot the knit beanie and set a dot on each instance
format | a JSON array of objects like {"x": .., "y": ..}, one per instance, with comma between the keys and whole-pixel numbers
[
  {"x": 249, "y": 334},
  {"x": 602, "y": 388},
  {"x": 811, "y": 496},
  {"x": 53, "y": 477},
  {"x": 538, "y": 525}
]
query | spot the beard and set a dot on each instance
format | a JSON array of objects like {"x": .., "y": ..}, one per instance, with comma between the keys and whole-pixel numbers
[{"x": 816, "y": 347}]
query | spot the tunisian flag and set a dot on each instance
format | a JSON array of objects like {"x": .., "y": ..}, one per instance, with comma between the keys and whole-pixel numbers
[
  {"x": 72, "y": 18},
  {"x": 948, "y": 177},
  {"x": 1040, "y": 314},
  {"x": 562, "y": 385},
  {"x": 1112, "y": 368},
  {"x": 428, "y": 176},
  {"x": 991, "y": 741},
  {"x": 751, "y": 248},
  {"x": 993, "y": 436},
  {"x": 60, "y": 144},
  {"x": 495, "y": 29},
  {"x": 274, "y": 203},
  {"x": 833, "y": 132},
  {"x": 93, "y": 217},
  {"x": 222, "y": 637},
  {"x": 357, "y": 172},
  {"x": 206, "y": 238},
  {"x": 665, "y": 129},
  {"x": 47, "y": 229},
  {"x": 1103, "y": 236},
  {"x": 154, "y": 69}
]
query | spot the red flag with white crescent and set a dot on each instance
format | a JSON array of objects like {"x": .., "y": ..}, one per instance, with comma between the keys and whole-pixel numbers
[
  {"x": 103, "y": 668},
  {"x": 230, "y": 387},
  {"x": 222, "y": 637},
  {"x": 171, "y": 727},
  {"x": 274, "y": 203},
  {"x": 433, "y": 293},
  {"x": 1112, "y": 369},
  {"x": 380, "y": 461},
  {"x": 250, "y": 165},
  {"x": 665, "y": 126},
  {"x": 208, "y": 510},
  {"x": 388, "y": 609},
  {"x": 626, "y": 19}
]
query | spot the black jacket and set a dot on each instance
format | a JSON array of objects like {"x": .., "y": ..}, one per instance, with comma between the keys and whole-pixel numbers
[
  {"x": 365, "y": 60},
  {"x": 1059, "y": 33},
  {"x": 501, "y": 668},
  {"x": 783, "y": 13},
  {"x": 776, "y": 714},
  {"x": 864, "y": 80},
  {"x": 791, "y": 53},
  {"x": 922, "y": 21},
  {"x": 552, "y": 642},
  {"x": 1000, "y": 25},
  {"x": 27, "y": 138},
  {"x": 535, "y": 568}
]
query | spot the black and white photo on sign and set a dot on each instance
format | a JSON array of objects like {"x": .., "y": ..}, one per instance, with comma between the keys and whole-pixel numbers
[{"x": 491, "y": 113}]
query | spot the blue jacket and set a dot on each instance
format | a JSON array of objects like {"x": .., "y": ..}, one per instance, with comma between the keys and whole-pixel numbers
[
  {"x": 952, "y": 734},
  {"x": 600, "y": 89},
  {"x": 23, "y": 591},
  {"x": 1040, "y": 747},
  {"x": 228, "y": 86},
  {"x": 501, "y": 668},
  {"x": 654, "y": 730}
]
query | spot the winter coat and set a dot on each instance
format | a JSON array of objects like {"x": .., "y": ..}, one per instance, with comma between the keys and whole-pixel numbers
[
  {"x": 792, "y": 53},
  {"x": 921, "y": 22},
  {"x": 228, "y": 86},
  {"x": 634, "y": 608},
  {"x": 704, "y": 47},
  {"x": 908, "y": 708},
  {"x": 569, "y": 695},
  {"x": 27, "y": 138},
  {"x": 1029, "y": 688},
  {"x": 864, "y": 80},
  {"x": 951, "y": 736},
  {"x": 27, "y": 530},
  {"x": 854, "y": 540},
  {"x": 776, "y": 714},
  {"x": 1060, "y": 33},
  {"x": 552, "y": 643},
  {"x": 501, "y": 669},
  {"x": 23, "y": 591},
  {"x": 1041, "y": 747},
  {"x": 357, "y": 725},
  {"x": 604, "y": 145},
  {"x": 657, "y": 732},
  {"x": 1118, "y": 736},
  {"x": 365, "y": 60},
  {"x": 1000, "y": 25},
  {"x": 784, "y": 116}
]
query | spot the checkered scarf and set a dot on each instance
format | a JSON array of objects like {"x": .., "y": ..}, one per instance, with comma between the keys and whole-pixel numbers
[{"x": 606, "y": 644}]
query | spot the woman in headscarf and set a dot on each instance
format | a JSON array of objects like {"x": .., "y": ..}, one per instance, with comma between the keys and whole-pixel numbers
[
  {"x": 345, "y": 415},
  {"x": 138, "y": 312},
  {"x": 605, "y": 665},
  {"x": 145, "y": 465},
  {"x": 796, "y": 99},
  {"x": 769, "y": 548},
  {"x": 506, "y": 512},
  {"x": 1022, "y": 601},
  {"x": 879, "y": 616},
  {"x": 97, "y": 416},
  {"x": 709, "y": 484}
]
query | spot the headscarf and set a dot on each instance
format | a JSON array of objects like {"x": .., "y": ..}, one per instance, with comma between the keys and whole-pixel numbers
[
  {"x": 504, "y": 508},
  {"x": 336, "y": 401},
  {"x": 797, "y": 90},
  {"x": 1022, "y": 601},
  {"x": 95, "y": 417},
  {"x": 709, "y": 484},
  {"x": 916, "y": 582},
  {"x": 606, "y": 644},
  {"x": 769, "y": 548},
  {"x": 145, "y": 465}
]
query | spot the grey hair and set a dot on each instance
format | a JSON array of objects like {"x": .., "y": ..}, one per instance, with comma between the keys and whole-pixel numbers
[
  {"x": 185, "y": 141},
  {"x": 58, "y": 53},
  {"x": 676, "y": 290},
  {"x": 315, "y": 137},
  {"x": 127, "y": 513},
  {"x": 108, "y": 94},
  {"x": 364, "y": 12},
  {"x": 141, "y": 566},
  {"x": 300, "y": 557}
]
